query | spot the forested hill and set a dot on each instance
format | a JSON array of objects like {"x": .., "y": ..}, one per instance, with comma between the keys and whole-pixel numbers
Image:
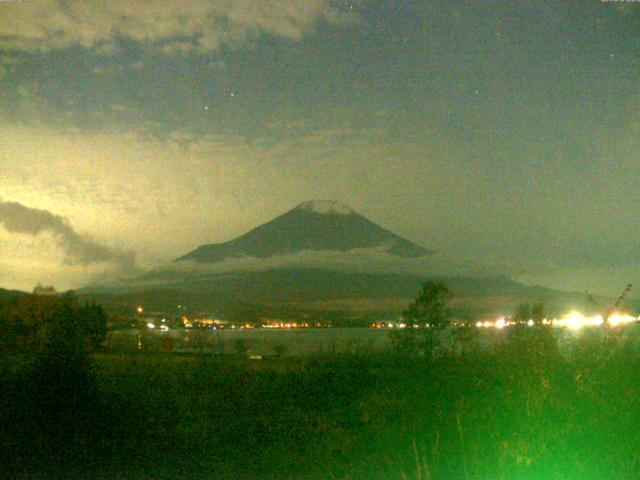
[{"x": 7, "y": 295}]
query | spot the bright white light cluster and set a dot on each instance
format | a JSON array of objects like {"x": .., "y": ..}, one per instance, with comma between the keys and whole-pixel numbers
[
  {"x": 573, "y": 320},
  {"x": 499, "y": 323},
  {"x": 576, "y": 320},
  {"x": 616, "y": 319}
]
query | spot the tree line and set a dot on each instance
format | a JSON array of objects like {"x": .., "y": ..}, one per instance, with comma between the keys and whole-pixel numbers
[
  {"x": 47, "y": 322},
  {"x": 428, "y": 315}
]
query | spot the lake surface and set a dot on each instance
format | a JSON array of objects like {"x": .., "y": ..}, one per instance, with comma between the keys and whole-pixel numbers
[{"x": 260, "y": 341}]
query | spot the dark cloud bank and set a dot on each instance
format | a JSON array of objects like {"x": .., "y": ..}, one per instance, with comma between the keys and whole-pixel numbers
[{"x": 79, "y": 249}]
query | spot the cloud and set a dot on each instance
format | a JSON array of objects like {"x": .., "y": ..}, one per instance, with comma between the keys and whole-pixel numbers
[
  {"x": 17, "y": 218},
  {"x": 362, "y": 260},
  {"x": 198, "y": 25}
]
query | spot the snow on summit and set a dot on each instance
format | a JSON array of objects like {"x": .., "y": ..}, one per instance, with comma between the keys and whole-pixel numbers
[
  {"x": 317, "y": 225},
  {"x": 324, "y": 207}
]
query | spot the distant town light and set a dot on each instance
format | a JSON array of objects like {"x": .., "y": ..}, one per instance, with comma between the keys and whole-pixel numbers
[
  {"x": 616, "y": 319},
  {"x": 573, "y": 320}
]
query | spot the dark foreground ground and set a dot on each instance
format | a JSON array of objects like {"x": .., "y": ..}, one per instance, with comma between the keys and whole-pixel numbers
[{"x": 521, "y": 412}]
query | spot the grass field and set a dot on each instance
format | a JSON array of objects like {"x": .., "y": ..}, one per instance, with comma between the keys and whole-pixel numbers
[{"x": 522, "y": 411}]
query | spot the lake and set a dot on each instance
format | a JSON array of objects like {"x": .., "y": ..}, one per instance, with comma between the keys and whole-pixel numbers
[{"x": 307, "y": 341}]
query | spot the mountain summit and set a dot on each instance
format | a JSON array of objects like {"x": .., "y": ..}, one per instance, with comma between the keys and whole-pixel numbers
[
  {"x": 315, "y": 225},
  {"x": 325, "y": 207}
]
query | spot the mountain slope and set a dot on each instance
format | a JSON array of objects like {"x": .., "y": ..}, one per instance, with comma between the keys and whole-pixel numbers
[
  {"x": 325, "y": 294},
  {"x": 311, "y": 226},
  {"x": 319, "y": 255}
]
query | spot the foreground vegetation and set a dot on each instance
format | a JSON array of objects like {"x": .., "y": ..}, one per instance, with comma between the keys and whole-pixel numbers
[
  {"x": 517, "y": 410},
  {"x": 521, "y": 412}
]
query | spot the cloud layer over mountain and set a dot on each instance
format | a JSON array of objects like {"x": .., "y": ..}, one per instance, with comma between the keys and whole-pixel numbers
[{"x": 366, "y": 260}]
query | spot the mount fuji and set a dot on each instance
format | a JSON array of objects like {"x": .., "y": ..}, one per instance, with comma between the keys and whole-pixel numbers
[
  {"x": 320, "y": 256},
  {"x": 313, "y": 226}
]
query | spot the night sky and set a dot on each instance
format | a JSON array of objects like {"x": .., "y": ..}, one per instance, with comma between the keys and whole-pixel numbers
[{"x": 504, "y": 132}]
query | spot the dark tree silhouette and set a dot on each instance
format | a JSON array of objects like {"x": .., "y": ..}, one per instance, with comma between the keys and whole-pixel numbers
[
  {"x": 538, "y": 313},
  {"x": 523, "y": 312},
  {"x": 46, "y": 320},
  {"x": 94, "y": 319},
  {"x": 427, "y": 315},
  {"x": 429, "y": 309}
]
